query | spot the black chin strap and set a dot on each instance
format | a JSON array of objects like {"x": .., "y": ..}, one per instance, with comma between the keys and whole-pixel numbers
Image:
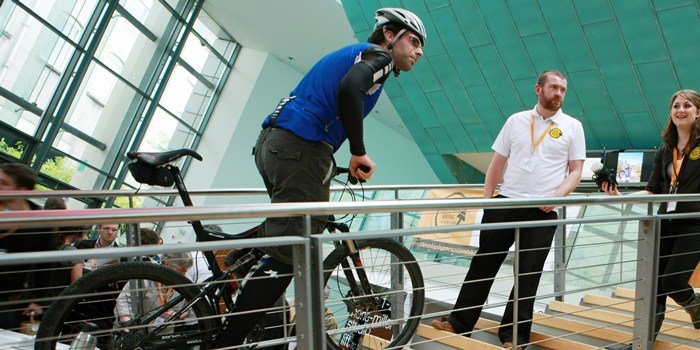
[{"x": 390, "y": 46}]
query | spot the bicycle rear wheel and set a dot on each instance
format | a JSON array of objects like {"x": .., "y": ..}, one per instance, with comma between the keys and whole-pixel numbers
[
  {"x": 387, "y": 316},
  {"x": 93, "y": 299}
]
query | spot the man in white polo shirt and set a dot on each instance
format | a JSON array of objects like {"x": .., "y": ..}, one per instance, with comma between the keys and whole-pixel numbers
[{"x": 544, "y": 150}]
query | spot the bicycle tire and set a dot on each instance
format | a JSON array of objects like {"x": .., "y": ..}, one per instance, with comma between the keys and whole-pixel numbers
[
  {"x": 374, "y": 254},
  {"x": 90, "y": 297}
]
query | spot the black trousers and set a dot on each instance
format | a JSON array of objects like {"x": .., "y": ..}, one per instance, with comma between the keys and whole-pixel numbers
[
  {"x": 260, "y": 291},
  {"x": 493, "y": 249},
  {"x": 294, "y": 170},
  {"x": 679, "y": 254}
]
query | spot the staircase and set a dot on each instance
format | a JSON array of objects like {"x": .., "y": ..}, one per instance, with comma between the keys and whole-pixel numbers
[{"x": 595, "y": 322}]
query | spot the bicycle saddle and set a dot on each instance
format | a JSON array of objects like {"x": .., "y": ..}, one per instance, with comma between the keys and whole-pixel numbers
[{"x": 161, "y": 158}]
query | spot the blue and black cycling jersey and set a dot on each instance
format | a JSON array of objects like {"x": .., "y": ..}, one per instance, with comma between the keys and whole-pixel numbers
[{"x": 335, "y": 96}]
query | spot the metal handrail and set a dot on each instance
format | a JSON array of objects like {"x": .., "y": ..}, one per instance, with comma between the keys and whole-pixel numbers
[
  {"x": 24, "y": 219},
  {"x": 307, "y": 275}
]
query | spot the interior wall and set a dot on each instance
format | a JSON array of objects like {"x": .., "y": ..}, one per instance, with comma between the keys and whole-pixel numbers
[{"x": 228, "y": 139}]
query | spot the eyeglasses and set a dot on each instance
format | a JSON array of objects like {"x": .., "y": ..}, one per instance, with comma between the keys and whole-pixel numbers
[{"x": 415, "y": 41}]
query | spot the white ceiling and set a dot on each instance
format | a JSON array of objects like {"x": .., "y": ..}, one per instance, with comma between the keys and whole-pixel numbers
[{"x": 303, "y": 30}]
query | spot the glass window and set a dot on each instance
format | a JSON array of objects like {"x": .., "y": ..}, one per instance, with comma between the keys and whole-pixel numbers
[
  {"x": 112, "y": 98},
  {"x": 136, "y": 54},
  {"x": 59, "y": 13},
  {"x": 178, "y": 91},
  {"x": 213, "y": 34},
  {"x": 35, "y": 59},
  {"x": 202, "y": 60},
  {"x": 137, "y": 8},
  {"x": 197, "y": 105},
  {"x": 102, "y": 109},
  {"x": 166, "y": 133}
]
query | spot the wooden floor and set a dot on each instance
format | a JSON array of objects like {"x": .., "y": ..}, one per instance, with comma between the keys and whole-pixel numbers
[{"x": 596, "y": 321}]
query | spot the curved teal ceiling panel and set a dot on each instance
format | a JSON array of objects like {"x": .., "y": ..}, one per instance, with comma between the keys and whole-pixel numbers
[
  {"x": 642, "y": 37},
  {"x": 623, "y": 60}
]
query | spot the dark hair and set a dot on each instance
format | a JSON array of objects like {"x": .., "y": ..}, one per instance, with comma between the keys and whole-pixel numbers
[
  {"x": 542, "y": 79},
  {"x": 377, "y": 37},
  {"x": 24, "y": 176},
  {"x": 75, "y": 233},
  {"x": 54, "y": 203},
  {"x": 670, "y": 133},
  {"x": 149, "y": 237}
]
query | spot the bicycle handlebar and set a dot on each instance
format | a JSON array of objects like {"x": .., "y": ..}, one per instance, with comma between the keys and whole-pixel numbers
[
  {"x": 340, "y": 226},
  {"x": 353, "y": 180}
]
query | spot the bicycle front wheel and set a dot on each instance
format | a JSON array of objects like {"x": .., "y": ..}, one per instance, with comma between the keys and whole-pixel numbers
[
  {"x": 387, "y": 314},
  {"x": 149, "y": 293}
]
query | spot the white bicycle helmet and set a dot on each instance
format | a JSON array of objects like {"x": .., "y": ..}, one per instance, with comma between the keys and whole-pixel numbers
[{"x": 402, "y": 17}]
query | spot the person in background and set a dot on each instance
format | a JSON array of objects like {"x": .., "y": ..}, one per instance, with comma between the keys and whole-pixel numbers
[
  {"x": 676, "y": 170},
  {"x": 54, "y": 203},
  {"x": 107, "y": 239},
  {"x": 22, "y": 285},
  {"x": 150, "y": 237},
  {"x": 294, "y": 152},
  {"x": 544, "y": 150},
  {"x": 66, "y": 272},
  {"x": 199, "y": 272},
  {"x": 154, "y": 296}
]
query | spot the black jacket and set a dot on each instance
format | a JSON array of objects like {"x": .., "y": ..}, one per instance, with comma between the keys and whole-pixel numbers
[
  {"x": 15, "y": 277},
  {"x": 688, "y": 177}
]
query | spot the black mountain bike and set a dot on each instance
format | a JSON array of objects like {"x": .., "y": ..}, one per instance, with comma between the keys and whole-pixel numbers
[{"x": 376, "y": 284}]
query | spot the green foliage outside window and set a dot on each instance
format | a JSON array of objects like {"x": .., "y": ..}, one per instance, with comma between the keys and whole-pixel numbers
[
  {"x": 123, "y": 202},
  {"x": 53, "y": 167},
  {"x": 14, "y": 151}
]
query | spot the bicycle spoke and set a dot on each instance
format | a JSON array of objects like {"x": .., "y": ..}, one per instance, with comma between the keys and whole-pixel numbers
[{"x": 386, "y": 316}]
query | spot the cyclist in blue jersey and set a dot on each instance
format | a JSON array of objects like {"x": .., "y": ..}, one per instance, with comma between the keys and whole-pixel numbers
[{"x": 294, "y": 153}]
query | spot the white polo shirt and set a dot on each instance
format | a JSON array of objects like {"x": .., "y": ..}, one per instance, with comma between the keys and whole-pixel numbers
[{"x": 538, "y": 172}]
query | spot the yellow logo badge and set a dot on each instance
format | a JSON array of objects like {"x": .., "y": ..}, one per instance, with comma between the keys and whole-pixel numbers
[
  {"x": 694, "y": 154},
  {"x": 555, "y": 133}
]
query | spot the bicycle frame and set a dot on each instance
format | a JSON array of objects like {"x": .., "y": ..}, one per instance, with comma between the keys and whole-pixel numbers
[
  {"x": 216, "y": 271},
  {"x": 365, "y": 297},
  {"x": 360, "y": 295},
  {"x": 196, "y": 224}
]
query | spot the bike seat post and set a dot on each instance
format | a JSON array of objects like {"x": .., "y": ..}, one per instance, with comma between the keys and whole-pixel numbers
[
  {"x": 180, "y": 185},
  {"x": 196, "y": 224}
]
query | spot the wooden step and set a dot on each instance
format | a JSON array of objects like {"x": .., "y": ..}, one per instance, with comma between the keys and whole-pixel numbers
[
  {"x": 617, "y": 318},
  {"x": 614, "y": 336},
  {"x": 537, "y": 338},
  {"x": 629, "y": 294},
  {"x": 454, "y": 340},
  {"x": 628, "y": 305},
  {"x": 626, "y": 293}
]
